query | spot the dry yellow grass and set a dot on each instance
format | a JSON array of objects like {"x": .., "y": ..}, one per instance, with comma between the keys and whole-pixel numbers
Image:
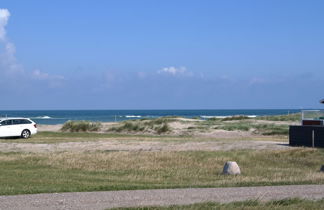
[{"x": 99, "y": 170}]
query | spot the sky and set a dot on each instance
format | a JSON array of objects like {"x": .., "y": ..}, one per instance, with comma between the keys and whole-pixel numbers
[{"x": 170, "y": 54}]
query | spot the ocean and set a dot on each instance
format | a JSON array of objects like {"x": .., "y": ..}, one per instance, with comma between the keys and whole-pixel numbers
[{"x": 52, "y": 117}]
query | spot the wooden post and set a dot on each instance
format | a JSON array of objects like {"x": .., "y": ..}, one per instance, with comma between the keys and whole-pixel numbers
[{"x": 313, "y": 138}]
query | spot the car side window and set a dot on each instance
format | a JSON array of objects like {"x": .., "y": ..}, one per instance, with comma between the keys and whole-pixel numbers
[
  {"x": 16, "y": 122},
  {"x": 23, "y": 121},
  {"x": 6, "y": 122}
]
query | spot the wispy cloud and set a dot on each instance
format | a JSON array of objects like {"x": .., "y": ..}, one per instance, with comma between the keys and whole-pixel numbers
[
  {"x": 4, "y": 17},
  {"x": 37, "y": 74},
  {"x": 10, "y": 67},
  {"x": 8, "y": 61},
  {"x": 175, "y": 71}
]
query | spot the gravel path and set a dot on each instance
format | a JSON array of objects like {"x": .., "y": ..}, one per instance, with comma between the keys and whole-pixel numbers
[
  {"x": 163, "y": 197},
  {"x": 135, "y": 145}
]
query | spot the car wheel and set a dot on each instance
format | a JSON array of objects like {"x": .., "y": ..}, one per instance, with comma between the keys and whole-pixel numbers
[{"x": 25, "y": 134}]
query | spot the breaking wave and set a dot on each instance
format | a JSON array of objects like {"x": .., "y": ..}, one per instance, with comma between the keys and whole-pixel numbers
[{"x": 42, "y": 117}]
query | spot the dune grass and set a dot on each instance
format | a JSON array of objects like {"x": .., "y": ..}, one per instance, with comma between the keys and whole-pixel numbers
[
  {"x": 258, "y": 128},
  {"x": 154, "y": 126},
  {"x": 114, "y": 170},
  {"x": 81, "y": 126},
  {"x": 284, "y": 204},
  {"x": 238, "y": 117},
  {"x": 289, "y": 117}
]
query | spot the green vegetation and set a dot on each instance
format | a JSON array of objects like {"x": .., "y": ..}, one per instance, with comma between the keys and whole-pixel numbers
[
  {"x": 285, "y": 204},
  {"x": 238, "y": 117},
  {"x": 113, "y": 170},
  {"x": 258, "y": 128},
  {"x": 257, "y": 125},
  {"x": 81, "y": 126},
  {"x": 158, "y": 125},
  {"x": 290, "y": 117}
]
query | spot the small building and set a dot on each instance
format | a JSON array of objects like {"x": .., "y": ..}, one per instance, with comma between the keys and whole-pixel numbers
[{"x": 311, "y": 131}]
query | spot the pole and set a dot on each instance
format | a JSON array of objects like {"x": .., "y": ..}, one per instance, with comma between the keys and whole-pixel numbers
[{"x": 313, "y": 138}]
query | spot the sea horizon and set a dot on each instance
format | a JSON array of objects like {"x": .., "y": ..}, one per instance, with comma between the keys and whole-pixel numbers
[{"x": 115, "y": 115}]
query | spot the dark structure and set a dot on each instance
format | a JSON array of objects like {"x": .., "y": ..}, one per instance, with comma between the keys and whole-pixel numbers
[
  {"x": 311, "y": 131},
  {"x": 306, "y": 135}
]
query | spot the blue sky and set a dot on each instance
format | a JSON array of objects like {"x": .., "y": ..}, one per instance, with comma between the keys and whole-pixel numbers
[{"x": 177, "y": 54}]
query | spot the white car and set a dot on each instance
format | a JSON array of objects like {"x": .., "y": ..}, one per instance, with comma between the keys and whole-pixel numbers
[{"x": 12, "y": 127}]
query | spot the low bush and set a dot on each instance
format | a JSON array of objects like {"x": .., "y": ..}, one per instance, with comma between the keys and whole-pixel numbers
[
  {"x": 159, "y": 126},
  {"x": 81, "y": 126},
  {"x": 289, "y": 117},
  {"x": 237, "y": 117},
  {"x": 264, "y": 129},
  {"x": 237, "y": 126}
]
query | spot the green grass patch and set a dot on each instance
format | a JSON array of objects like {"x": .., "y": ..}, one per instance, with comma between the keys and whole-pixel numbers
[
  {"x": 285, "y": 204},
  {"x": 290, "y": 117},
  {"x": 155, "y": 126},
  {"x": 81, "y": 126},
  {"x": 238, "y": 117},
  {"x": 112, "y": 170},
  {"x": 258, "y": 128}
]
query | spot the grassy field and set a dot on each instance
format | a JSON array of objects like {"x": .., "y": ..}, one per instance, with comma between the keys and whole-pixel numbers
[
  {"x": 70, "y": 171},
  {"x": 286, "y": 204},
  {"x": 108, "y": 170}
]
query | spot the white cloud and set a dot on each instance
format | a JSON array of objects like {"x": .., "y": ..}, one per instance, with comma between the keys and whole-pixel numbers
[
  {"x": 175, "y": 71},
  {"x": 8, "y": 61},
  {"x": 37, "y": 74},
  {"x": 4, "y": 17},
  {"x": 9, "y": 65}
]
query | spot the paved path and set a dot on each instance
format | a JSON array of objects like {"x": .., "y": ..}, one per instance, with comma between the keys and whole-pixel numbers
[{"x": 110, "y": 199}]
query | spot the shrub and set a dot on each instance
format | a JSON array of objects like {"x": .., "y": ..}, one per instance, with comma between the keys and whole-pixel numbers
[
  {"x": 81, "y": 126},
  {"x": 237, "y": 117},
  {"x": 163, "y": 129},
  {"x": 264, "y": 129},
  {"x": 237, "y": 126},
  {"x": 159, "y": 126},
  {"x": 290, "y": 117}
]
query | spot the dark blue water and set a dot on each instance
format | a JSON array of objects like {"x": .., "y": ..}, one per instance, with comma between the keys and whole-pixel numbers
[{"x": 61, "y": 116}]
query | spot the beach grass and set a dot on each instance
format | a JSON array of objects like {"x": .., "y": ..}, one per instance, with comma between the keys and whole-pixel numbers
[
  {"x": 288, "y": 117},
  {"x": 258, "y": 128},
  {"x": 284, "y": 204},
  {"x": 153, "y": 126},
  {"x": 23, "y": 173},
  {"x": 261, "y": 128},
  {"x": 81, "y": 126}
]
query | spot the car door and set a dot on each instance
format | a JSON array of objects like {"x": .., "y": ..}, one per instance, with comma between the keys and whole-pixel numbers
[
  {"x": 2, "y": 130},
  {"x": 6, "y": 128},
  {"x": 17, "y": 127}
]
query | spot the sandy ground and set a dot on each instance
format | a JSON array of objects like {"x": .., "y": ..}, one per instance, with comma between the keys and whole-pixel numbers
[
  {"x": 135, "y": 145},
  {"x": 180, "y": 127},
  {"x": 52, "y": 128},
  {"x": 162, "y": 197},
  {"x": 226, "y": 141},
  {"x": 177, "y": 129}
]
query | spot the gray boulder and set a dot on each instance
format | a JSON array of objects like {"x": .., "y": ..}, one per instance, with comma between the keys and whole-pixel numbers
[{"x": 231, "y": 168}]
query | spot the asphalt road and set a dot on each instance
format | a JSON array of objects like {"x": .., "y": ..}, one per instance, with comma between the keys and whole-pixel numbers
[{"x": 163, "y": 197}]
